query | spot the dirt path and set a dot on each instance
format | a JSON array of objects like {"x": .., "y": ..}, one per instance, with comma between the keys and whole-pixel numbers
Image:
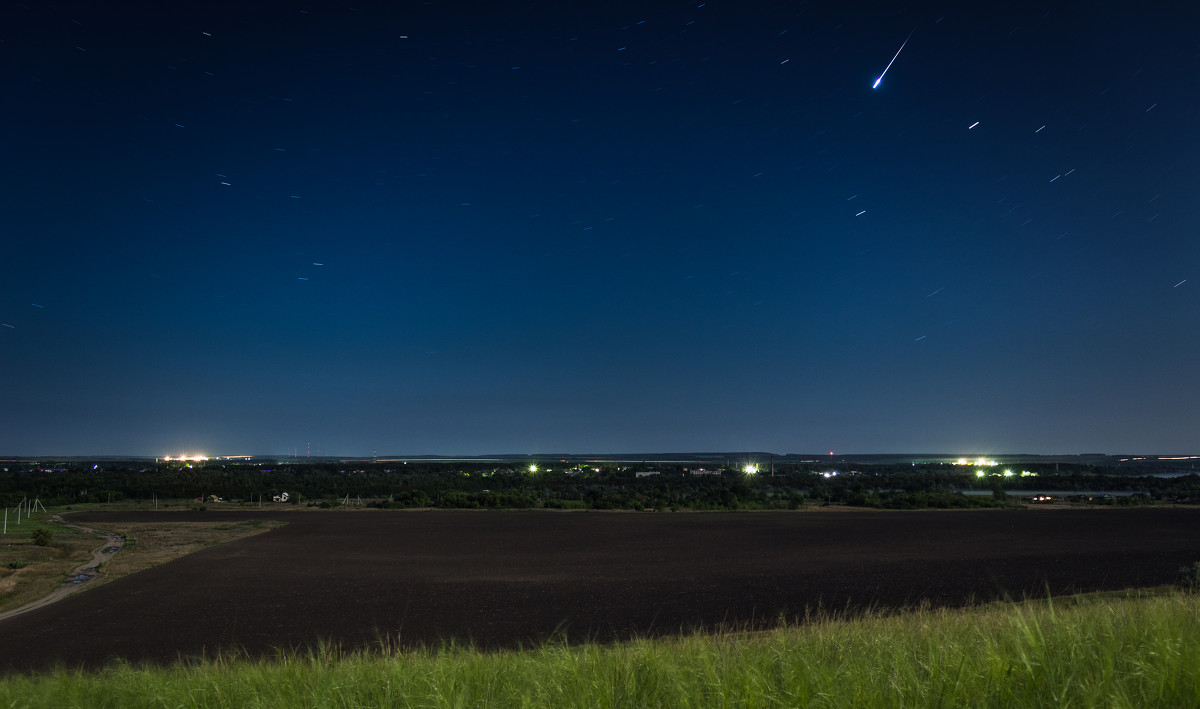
[{"x": 82, "y": 573}]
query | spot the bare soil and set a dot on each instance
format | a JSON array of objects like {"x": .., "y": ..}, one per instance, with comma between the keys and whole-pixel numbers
[
  {"x": 506, "y": 579},
  {"x": 72, "y": 565},
  {"x": 156, "y": 543}
]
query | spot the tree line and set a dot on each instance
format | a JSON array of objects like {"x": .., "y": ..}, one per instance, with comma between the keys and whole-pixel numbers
[{"x": 633, "y": 487}]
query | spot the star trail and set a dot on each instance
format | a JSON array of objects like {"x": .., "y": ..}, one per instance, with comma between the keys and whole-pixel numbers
[{"x": 607, "y": 227}]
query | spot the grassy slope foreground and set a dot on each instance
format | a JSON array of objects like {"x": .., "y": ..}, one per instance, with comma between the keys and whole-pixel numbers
[{"x": 1108, "y": 651}]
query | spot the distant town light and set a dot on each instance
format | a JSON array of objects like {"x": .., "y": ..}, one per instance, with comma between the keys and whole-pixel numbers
[
  {"x": 184, "y": 457},
  {"x": 1008, "y": 473},
  {"x": 750, "y": 469},
  {"x": 533, "y": 467},
  {"x": 980, "y": 474}
]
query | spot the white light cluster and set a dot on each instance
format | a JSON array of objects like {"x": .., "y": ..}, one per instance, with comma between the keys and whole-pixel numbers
[
  {"x": 1007, "y": 473},
  {"x": 982, "y": 462}
]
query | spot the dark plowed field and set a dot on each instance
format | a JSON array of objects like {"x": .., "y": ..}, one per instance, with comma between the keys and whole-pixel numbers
[{"x": 500, "y": 579}]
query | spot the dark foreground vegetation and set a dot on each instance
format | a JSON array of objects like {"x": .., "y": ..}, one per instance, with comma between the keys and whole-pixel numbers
[{"x": 569, "y": 485}]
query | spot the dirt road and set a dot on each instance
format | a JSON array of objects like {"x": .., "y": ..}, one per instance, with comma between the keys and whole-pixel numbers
[{"x": 81, "y": 575}]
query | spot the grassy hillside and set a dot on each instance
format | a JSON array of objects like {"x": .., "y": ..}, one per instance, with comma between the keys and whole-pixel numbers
[{"x": 1113, "y": 651}]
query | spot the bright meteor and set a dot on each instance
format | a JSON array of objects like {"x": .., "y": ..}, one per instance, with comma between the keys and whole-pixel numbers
[{"x": 889, "y": 66}]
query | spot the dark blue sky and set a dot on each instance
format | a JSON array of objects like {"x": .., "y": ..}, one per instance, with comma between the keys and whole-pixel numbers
[{"x": 596, "y": 227}]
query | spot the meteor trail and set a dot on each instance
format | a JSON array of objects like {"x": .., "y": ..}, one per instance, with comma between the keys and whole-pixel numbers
[{"x": 889, "y": 66}]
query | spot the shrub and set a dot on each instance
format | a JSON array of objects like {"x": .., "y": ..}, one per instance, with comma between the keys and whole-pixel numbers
[
  {"x": 16, "y": 564},
  {"x": 1189, "y": 577},
  {"x": 42, "y": 537}
]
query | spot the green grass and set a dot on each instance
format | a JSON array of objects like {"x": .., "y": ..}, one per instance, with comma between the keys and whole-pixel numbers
[
  {"x": 29, "y": 523},
  {"x": 1099, "y": 651}
]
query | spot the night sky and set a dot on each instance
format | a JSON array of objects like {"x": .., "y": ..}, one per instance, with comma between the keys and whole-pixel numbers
[{"x": 586, "y": 227}]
